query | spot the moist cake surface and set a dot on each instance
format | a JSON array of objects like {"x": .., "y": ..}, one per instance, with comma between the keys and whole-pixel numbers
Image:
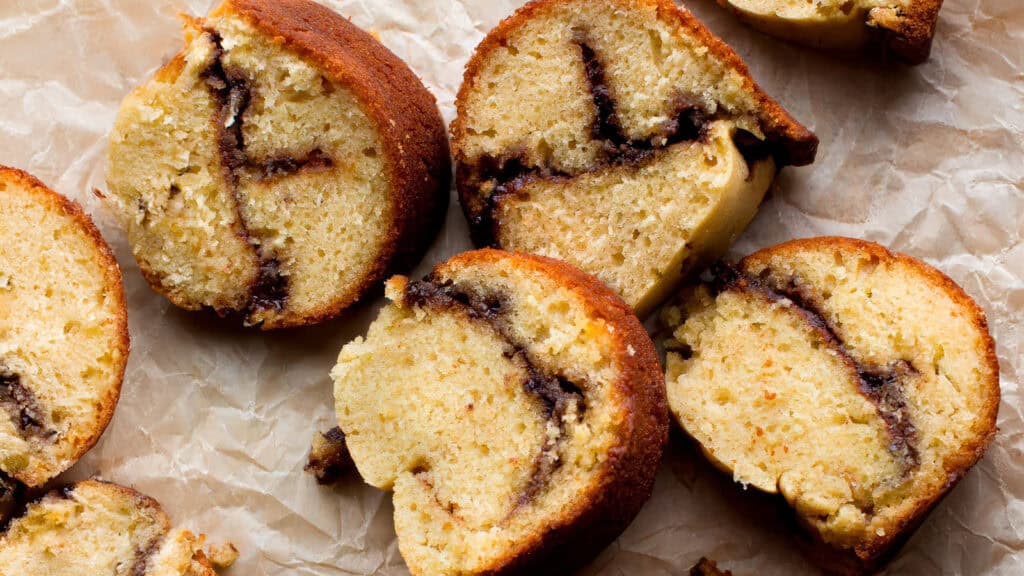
[
  {"x": 97, "y": 528},
  {"x": 901, "y": 28},
  {"x": 63, "y": 331},
  {"x": 619, "y": 136},
  {"x": 513, "y": 405},
  {"x": 305, "y": 161},
  {"x": 859, "y": 384}
]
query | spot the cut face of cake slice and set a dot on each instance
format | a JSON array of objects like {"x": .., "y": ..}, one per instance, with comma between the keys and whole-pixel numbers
[
  {"x": 514, "y": 406},
  {"x": 63, "y": 331},
  {"x": 902, "y": 28},
  {"x": 279, "y": 166},
  {"x": 619, "y": 136},
  {"x": 859, "y": 384},
  {"x": 96, "y": 528}
]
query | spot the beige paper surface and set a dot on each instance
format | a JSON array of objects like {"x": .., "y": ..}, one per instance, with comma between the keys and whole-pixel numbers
[{"x": 215, "y": 421}]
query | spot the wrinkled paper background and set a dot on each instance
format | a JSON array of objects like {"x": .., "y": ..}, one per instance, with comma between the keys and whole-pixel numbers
[{"x": 215, "y": 421}]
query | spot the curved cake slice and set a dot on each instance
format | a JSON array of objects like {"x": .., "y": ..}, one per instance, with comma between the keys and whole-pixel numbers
[
  {"x": 513, "y": 404},
  {"x": 619, "y": 136},
  {"x": 858, "y": 383},
  {"x": 279, "y": 166},
  {"x": 96, "y": 528},
  {"x": 63, "y": 331},
  {"x": 903, "y": 28}
]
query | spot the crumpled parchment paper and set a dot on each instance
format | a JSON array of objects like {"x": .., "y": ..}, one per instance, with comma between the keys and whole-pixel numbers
[{"x": 215, "y": 421}]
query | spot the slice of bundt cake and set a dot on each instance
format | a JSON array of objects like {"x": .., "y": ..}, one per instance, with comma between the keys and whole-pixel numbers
[
  {"x": 63, "y": 331},
  {"x": 858, "y": 383},
  {"x": 901, "y": 28},
  {"x": 515, "y": 407},
  {"x": 278, "y": 166},
  {"x": 619, "y": 136},
  {"x": 95, "y": 528}
]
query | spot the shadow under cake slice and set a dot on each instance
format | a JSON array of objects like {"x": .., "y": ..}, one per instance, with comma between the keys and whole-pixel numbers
[
  {"x": 94, "y": 528},
  {"x": 859, "y": 384},
  {"x": 620, "y": 136},
  {"x": 513, "y": 404},
  {"x": 901, "y": 28},
  {"x": 63, "y": 331},
  {"x": 279, "y": 166}
]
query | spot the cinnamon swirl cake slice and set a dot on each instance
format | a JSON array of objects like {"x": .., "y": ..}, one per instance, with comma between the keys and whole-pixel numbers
[
  {"x": 859, "y": 384},
  {"x": 279, "y": 166},
  {"x": 513, "y": 404},
  {"x": 620, "y": 136}
]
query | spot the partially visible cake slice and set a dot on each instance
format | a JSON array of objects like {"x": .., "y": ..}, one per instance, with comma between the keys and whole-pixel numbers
[
  {"x": 902, "y": 28},
  {"x": 278, "y": 167},
  {"x": 63, "y": 331},
  {"x": 859, "y": 384},
  {"x": 620, "y": 136},
  {"x": 514, "y": 405},
  {"x": 97, "y": 529}
]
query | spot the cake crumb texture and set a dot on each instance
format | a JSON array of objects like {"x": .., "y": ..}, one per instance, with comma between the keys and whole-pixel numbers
[
  {"x": 859, "y": 384},
  {"x": 499, "y": 400},
  {"x": 278, "y": 166},
  {"x": 94, "y": 527},
  {"x": 619, "y": 136},
  {"x": 63, "y": 331}
]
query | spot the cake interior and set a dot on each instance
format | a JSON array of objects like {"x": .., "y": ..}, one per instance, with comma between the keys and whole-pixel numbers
[
  {"x": 61, "y": 334},
  {"x": 606, "y": 136},
  {"x": 848, "y": 381},
  {"x": 180, "y": 554},
  {"x": 816, "y": 9},
  {"x": 482, "y": 397},
  {"x": 93, "y": 528},
  {"x": 271, "y": 197},
  {"x": 845, "y": 24}
]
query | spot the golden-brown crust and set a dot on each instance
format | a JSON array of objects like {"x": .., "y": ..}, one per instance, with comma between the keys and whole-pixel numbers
[
  {"x": 798, "y": 145},
  {"x": 867, "y": 556},
  {"x": 112, "y": 280},
  {"x": 627, "y": 478},
  {"x": 908, "y": 35},
  {"x": 405, "y": 113}
]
